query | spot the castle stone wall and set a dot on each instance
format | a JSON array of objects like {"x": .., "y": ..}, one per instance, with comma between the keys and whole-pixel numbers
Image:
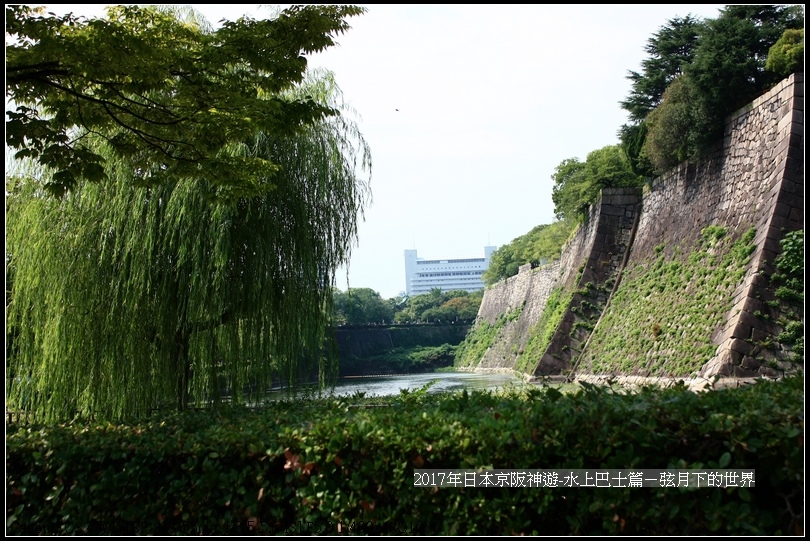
[{"x": 753, "y": 179}]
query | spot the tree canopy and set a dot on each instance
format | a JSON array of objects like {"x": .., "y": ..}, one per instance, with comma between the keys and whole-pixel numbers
[
  {"x": 361, "y": 306},
  {"x": 364, "y": 306},
  {"x": 696, "y": 74},
  {"x": 577, "y": 184},
  {"x": 541, "y": 245},
  {"x": 438, "y": 306},
  {"x": 670, "y": 50},
  {"x": 786, "y": 56},
  {"x": 728, "y": 70},
  {"x": 173, "y": 96},
  {"x": 126, "y": 297}
]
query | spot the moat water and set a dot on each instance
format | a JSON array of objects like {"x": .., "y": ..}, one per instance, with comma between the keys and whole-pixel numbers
[{"x": 444, "y": 382}]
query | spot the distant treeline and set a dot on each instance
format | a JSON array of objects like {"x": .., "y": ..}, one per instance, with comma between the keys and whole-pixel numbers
[{"x": 364, "y": 306}]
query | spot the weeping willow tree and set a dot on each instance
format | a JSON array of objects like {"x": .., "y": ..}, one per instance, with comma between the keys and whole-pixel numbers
[{"x": 123, "y": 299}]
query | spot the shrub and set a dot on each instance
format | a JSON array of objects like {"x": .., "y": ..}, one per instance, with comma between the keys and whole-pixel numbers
[
  {"x": 786, "y": 56},
  {"x": 304, "y": 466}
]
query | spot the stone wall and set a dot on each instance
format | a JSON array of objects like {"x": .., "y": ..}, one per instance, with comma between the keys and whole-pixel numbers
[
  {"x": 765, "y": 146},
  {"x": 737, "y": 187},
  {"x": 612, "y": 223},
  {"x": 525, "y": 294},
  {"x": 753, "y": 179},
  {"x": 592, "y": 256}
]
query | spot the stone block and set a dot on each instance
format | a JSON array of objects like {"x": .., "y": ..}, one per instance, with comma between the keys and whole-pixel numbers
[
  {"x": 740, "y": 372},
  {"x": 758, "y": 335},
  {"x": 719, "y": 366},
  {"x": 756, "y": 281},
  {"x": 765, "y": 263},
  {"x": 626, "y": 200},
  {"x": 768, "y": 372},
  {"x": 797, "y": 177},
  {"x": 786, "y": 121},
  {"x": 781, "y": 209},
  {"x": 779, "y": 219},
  {"x": 740, "y": 346},
  {"x": 796, "y": 137},
  {"x": 719, "y": 336},
  {"x": 794, "y": 163},
  {"x": 588, "y": 275},
  {"x": 750, "y": 363},
  {"x": 765, "y": 325},
  {"x": 791, "y": 186},
  {"x": 752, "y": 305},
  {"x": 741, "y": 330},
  {"x": 797, "y": 215},
  {"x": 750, "y": 319}
]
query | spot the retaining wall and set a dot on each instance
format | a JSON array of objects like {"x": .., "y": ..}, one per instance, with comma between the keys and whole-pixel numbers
[{"x": 753, "y": 179}]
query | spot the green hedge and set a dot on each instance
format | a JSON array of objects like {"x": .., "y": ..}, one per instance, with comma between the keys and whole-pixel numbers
[{"x": 305, "y": 466}]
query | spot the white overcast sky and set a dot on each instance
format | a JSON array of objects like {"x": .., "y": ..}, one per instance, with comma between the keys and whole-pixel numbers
[{"x": 468, "y": 109}]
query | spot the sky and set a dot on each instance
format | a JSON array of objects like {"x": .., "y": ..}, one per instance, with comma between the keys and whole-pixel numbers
[{"x": 468, "y": 110}]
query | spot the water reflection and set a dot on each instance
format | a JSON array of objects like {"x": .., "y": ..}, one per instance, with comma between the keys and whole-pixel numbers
[{"x": 445, "y": 382}]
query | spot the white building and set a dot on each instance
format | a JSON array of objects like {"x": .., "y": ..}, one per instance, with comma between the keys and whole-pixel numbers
[{"x": 447, "y": 274}]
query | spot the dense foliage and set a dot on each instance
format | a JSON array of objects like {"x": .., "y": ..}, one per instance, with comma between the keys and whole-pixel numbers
[
  {"x": 400, "y": 360},
  {"x": 364, "y": 306},
  {"x": 787, "y": 54},
  {"x": 671, "y": 136},
  {"x": 539, "y": 246},
  {"x": 302, "y": 467},
  {"x": 787, "y": 307},
  {"x": 166, "y": 92},
  {"x": 577, "y": 185},
  {"x": 360, "y": 306},
  {"x": 125, "y": 298},
  {"x": 439, "y": 306},
  {"x": 669, "y": 50},
  {"x": 700, "y": 71}
]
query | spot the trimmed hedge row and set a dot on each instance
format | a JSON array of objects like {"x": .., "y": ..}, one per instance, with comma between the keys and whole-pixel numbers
[{"x": 345, "y": 465}]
